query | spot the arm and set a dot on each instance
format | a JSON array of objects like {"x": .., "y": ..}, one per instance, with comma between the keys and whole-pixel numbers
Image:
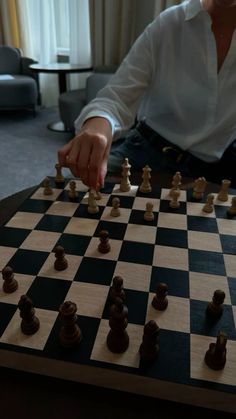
[{"x": 114, "y": 109}]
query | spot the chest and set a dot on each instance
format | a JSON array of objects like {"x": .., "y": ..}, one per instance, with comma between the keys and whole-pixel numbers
[{"x": 223, "y": 40}]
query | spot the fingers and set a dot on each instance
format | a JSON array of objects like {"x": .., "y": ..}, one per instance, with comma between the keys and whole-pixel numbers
[{"x": 86, "y": 157}]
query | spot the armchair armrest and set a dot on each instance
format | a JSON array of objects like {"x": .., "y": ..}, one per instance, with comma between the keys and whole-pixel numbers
[{"x": 26, "y": 71}]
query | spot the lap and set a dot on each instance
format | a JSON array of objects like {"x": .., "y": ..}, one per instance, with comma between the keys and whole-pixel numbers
[{"x": 140, "y": 152}]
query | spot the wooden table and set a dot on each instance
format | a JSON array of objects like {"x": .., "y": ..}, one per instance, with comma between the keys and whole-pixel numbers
[
  {"x": 62, "y": 69},
  {"x": 25, "y": 395}
]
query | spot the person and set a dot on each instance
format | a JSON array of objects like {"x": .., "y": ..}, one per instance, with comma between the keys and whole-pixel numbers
[{"x": 177, "y": 82}]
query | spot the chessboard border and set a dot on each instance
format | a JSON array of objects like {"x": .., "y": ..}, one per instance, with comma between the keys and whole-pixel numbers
[{"x": 122, "y": 381}]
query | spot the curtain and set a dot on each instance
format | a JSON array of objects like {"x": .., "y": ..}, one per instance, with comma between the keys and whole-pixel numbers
[
  {"x": 80, "y": 44},
  {"x": 38, "y": 39},
  {"x": 9, "y": 31},
  {"x": 161, "y": 5},
  {"x": 115, "y": 24}
]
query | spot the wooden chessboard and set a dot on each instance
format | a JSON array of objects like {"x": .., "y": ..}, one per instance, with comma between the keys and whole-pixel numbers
[{"x": 191, "y": 251}]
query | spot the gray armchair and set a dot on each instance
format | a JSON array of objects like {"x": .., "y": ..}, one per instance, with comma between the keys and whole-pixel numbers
[
  {"x": 19, "y": 87},
  {"x": 72, "y": 102}
]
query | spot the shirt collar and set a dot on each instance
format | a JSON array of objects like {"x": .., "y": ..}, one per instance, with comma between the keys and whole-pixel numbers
[{"x": 192, "y": 8}]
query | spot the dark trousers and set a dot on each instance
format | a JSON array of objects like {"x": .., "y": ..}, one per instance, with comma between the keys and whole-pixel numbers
[{"x": 144, "y": 146}]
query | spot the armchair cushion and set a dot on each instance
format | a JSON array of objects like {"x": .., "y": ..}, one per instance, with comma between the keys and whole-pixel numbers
[
  {"x": 72, "y": 102},
  {"x": 20, "y": 91}
]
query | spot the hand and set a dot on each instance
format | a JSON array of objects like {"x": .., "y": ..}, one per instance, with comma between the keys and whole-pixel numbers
[{"x": 87, "y": 153}]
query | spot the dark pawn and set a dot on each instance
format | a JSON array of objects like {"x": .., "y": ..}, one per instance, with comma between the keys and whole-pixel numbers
[
  {"x": 30, "y": 323},
  {"x": 160, "y": 301},
  {"x": 117, "y": 338},
  {"x": 117, "y": 289},
  {"x": 60, "y": 263},
  {"x": 215, "y": 357},
  {"x": 104, "y": 245},
  {"x": 215, "y": 307},
  {"x": 149, "y": 347},
  {"x": 70, "y": 334},
  {"x": 10, "y": 284}
]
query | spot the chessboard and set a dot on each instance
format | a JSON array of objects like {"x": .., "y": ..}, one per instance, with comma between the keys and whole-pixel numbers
[{"x": 191, "y": 251}]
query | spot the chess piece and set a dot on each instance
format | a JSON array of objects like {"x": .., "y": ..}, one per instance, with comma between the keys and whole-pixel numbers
[
  {"x": 148, "y": 215},
  {"x": 149, "y": 347},
  {"x": 223, "y": 193},
  {"x": 47, "y": 187},
  {"x": 232, "y": 209},
  {"x": 209, "y": 207},
  {"x": 115, "y": 211},
  {"x": 104, "y": 245},
  {"x": 160, "y": 301},
  {"x": 10, "y": 284},
  {"x": 117, "y": 338},
  {"x": 70, "y": 334},
  {"x": 30, "y": 323},
  {"x": 98, "y": 195},
  {"x": 176, "y": 182},
  {"x": 117, "y": 289},
  {"x": 125, "y": 185},
  {"x": 199, "y": 188},
  {"x": 59, "y": 178},
  {"x": 145, "y": 186},
  {"x": 72, "y": 193},
  {"x": 175, "y": 194},
  {"x": 92, "y": 204},
  {"x": 60, "y": 263},
  {"x": 215, "y": 307},
  {"x": 215, "y": 356}
]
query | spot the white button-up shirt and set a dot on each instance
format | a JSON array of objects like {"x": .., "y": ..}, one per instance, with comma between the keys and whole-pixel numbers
[{"x": 170, "y": 79}]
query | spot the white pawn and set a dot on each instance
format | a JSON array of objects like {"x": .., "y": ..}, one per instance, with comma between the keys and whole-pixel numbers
[
  {"x": 232, "y": 210},
  {"x": 148, "y": 215},
  {"x": 72, "y": 193},
  {"x": 209, "y": 207},
  {"x": 125, "y": 185},
  {"x": 92, "y": 204},
  {"x": 145, "y": 186},
  {"x": 47, "y": 187},
  {"x": 175, "y": 194},
  {"x": 115, "y": 211},
  {"x": 223, "y": 193}
]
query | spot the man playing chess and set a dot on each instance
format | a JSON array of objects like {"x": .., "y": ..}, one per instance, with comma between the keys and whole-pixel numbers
[{"x": 178, "y": 80}]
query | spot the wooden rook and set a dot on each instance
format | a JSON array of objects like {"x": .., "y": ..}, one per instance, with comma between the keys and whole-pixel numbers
[
  {"x": 117, "y": 338},
  {"x": 59, "y": 178},
  {"x": 10, "y": 284},
  {"x": 104, "y": 245},
  {"x": 149, "y": 347},
  {"x": 223, "y": 194},
  {"x": 60, "y": 263},
  {"x": 160, "y": 301},
  {"x": 215, "y": 357},
  {"x": 215, "y": 307},
  {"x": 30, "y": 323},
  {"x": 70, "y": 334},
  {"x": 117, "y": 289}
]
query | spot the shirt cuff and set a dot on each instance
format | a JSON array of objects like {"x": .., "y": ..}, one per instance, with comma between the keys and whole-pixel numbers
[{"x": 79, "y": 121}]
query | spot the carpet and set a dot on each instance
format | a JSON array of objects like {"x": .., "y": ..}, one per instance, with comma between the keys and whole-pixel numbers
[{"x": 28, "y": 149}]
